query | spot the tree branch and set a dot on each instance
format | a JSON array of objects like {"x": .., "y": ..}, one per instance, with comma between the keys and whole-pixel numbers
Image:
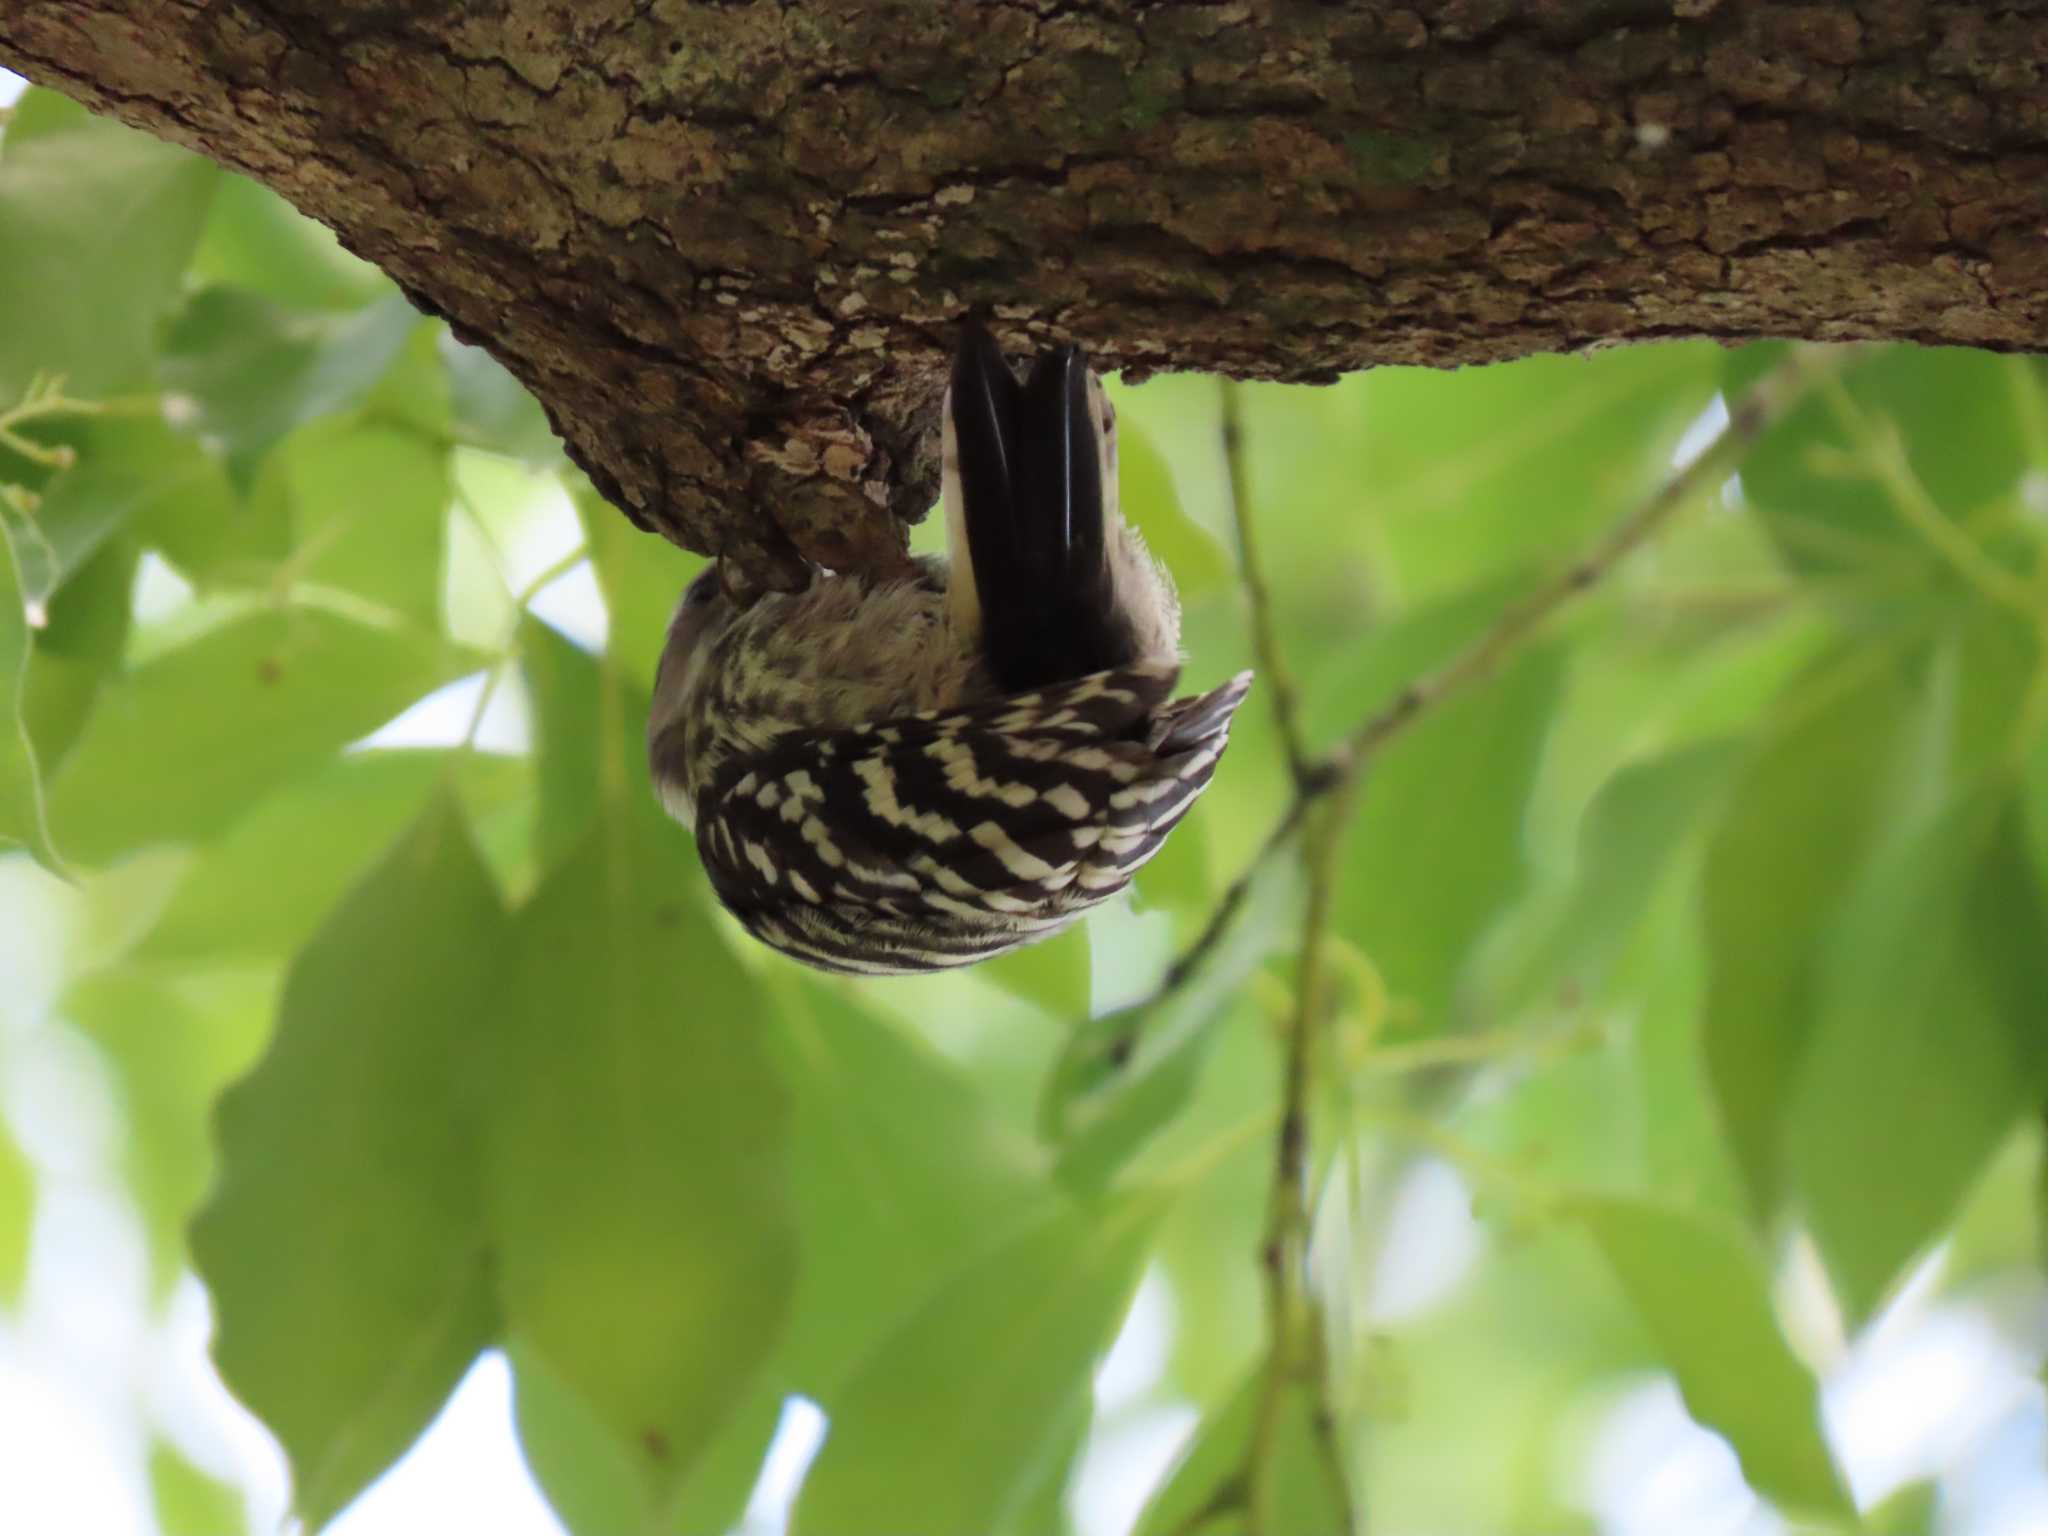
[{"x": 727, "y": 246}]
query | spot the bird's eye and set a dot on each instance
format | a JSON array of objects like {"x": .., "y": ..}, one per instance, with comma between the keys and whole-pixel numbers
[{"x": 703, "y": 589}]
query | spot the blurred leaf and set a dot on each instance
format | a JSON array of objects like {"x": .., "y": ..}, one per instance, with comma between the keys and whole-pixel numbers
[
  {"x": 1436, "y": 853},
  {"x": 190, "y": 1502},
  {"x": 493, "y": 410},
  {"x": 256, "y": 240},
  {"x": 589, "y": 1480},
  {"x": 17, "y": 1216},
  {"x": 367, "y": 508},
  {"x": 255, "y": 371},
  {"x": 1705, "y": 1297},
  {"x": 1149, "y": 500},
  {"x": 184, "y": 745},
  {"x": 945, "y": 1425},
  {"x": 24, "y": 818},
  {"x": 1054, "y": 975},
  {"x": 242, "y": 900},
  {"x": 1811, "y": 478},
  {"x": 1461, "y": 477},
  {"x": 172, "y": 1049},
  {"x": 899, "y": 1175},
  {"x": 1799, "y": 822},
  {"x": 1296, "y": 1490},
  {"x": 1100, "y": 1107},
  {"x": 80, "y": 645},
  {"x": 637, "y": 1148},
  {"x": 350, "y": 1189},
  {"x": 562, "y": 683},
  {"x": 92, "y": 208},
  {"x": 1628, "y": 836},
  {"x": 642, "y": 577},
  {"x": 1928, "y": 1046}
]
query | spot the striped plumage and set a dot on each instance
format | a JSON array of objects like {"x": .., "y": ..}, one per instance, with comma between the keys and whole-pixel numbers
[{"x": 903, "y": 773}]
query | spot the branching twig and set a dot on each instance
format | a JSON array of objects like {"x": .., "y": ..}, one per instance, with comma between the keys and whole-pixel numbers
[
  {"x": 1297, "y": 1359},
  {"x": 1768, "y": 403},
  {"x": 1279, "y": 682}
]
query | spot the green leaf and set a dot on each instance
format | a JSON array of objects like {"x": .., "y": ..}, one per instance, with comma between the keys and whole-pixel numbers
[
  {"x": 17, "y": 1216},
  {"x": 367, "y": 508},
  {"x": 636, "y": 1145},
  {"x": 191, "y": 1502},
  {"x": 172, "y": 1045},
  {"x": 899, "y": 1173},
  {"x": 1799, "y": 822},
  {"x": 923, "y": 1440},
  {"x": 493, "y": 410},
  {"x": 1435, "y": 854},
  {"x": 184, "y": 745},
  {"x": 88, "y": 207},
  {"x": 24, "y": 810},
  {"x": 642, "y": 577},
  {"x": 1100, "y": 1104},
  {"x": 586, "y": 1473},
  {"x": 254, "y": 239},
  {"x": 1150, "y": 501},
  {"x": 350, "y": 1189},
  {"x": 1459, "y": 478},
  {"x": 1206, "y": 1492},
  {"x": 1054, "y": 975},
  {"x": 240, "y": 901},
  {"x": 1628, "y": 837},
  {"x": 1929, "y": 1044},
  {"x": 562, "y": 683},
  {"x": 1705, "y": 1297},
  {"x": 255, "y": 372},
  {"x": 1811, "y": 477}
]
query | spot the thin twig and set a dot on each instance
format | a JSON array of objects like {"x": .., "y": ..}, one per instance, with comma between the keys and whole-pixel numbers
[
  {"x": 1768, "y": 403},
  {"x": 1279, "y": 682},
  {"x": 1295, "y": 1358}
]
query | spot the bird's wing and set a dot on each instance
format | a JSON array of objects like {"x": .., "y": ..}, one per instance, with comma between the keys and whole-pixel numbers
[{"x": 937, "y": 839}]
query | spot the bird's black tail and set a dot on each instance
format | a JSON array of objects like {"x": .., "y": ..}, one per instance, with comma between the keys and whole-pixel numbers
[{"x": 1037, "y": 515}]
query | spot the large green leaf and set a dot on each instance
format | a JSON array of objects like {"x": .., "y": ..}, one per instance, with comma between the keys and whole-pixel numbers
[
  {"x": 17, "y": 1214},
  {"x": 254, "y": 372},
  {"x": 184, "y": 745},
  {"x": 1812, "y": 477},
  {"x": 641, "y": 575},
  {"x": 367, "y": 508},
  {"x": 1150, "y": 501},
  {"x": 173, "y": 1043},
  {"x": 1929, "y": 1044},
  {"x": 350, "y": 1189},
  {"x": 1628, "y": 837},
  {"x": 1207, "y": 1492},
  {"x": 254, "y": 239},
  {"x": 1705, "y": 1297},
  {"x": 1458, "y": 478},
  {"x": 1799, "y": 822},
  {"x": 240, "y": 901},
  {"x": 562, "y": 683},
  {"x": 88, "y": 207},
  {"x": 1435, "y": 855},
  {"x": 637, "y": 1149},
  {"x": 946, "y": 1425},
  {"x": 1124, "y": 1076},
  {"x": 899, "y": 1175}
]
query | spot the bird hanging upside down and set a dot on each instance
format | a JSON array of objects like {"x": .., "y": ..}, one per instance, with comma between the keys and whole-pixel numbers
[{"x": 906, "y": 772}]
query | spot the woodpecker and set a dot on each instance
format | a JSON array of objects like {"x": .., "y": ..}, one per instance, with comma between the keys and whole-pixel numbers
[{"x": 905, "y": 772}]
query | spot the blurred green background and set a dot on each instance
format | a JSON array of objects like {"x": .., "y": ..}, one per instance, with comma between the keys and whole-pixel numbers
[{"x": 1677, "y": 1143}]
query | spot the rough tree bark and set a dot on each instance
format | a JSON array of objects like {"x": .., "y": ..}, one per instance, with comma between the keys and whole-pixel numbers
[{"x": 726, "y": 243}]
